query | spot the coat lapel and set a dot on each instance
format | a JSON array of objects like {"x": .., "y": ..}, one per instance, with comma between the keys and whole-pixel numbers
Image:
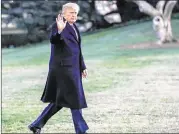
[
  {"x": 72, "y": 32},
  {"x": 79, "y": 37}
]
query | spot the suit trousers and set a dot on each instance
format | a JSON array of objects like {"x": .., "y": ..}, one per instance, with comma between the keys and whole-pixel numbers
[{"x": 79, "y": 123}]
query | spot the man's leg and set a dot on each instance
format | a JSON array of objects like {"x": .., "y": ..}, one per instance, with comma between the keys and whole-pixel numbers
[
  {"x": 79, "y": 123},
  {"x": 48, "y": 112}
]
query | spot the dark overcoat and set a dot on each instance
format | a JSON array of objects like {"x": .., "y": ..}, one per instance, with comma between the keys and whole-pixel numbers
[{"x": 64, "y": 81}]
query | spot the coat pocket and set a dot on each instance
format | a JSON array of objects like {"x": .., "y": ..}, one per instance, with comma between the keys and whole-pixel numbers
[{"x": 66, "y": 62}]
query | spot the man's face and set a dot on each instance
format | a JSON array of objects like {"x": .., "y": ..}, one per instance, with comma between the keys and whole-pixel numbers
[{"x": 70, "y": 15}]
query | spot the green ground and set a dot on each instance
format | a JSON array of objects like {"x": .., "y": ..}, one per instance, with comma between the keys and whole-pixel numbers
[{"x": 126, "y": 90}]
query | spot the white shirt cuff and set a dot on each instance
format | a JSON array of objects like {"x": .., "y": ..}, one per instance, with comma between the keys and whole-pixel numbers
[{"x": 59, "y": 32}]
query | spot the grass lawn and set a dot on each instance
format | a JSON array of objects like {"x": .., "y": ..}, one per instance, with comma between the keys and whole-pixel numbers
[{"x": 24, "y": 72}]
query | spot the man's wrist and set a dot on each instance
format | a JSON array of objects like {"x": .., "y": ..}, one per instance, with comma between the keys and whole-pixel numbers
[{"x": 59, "y": 31}]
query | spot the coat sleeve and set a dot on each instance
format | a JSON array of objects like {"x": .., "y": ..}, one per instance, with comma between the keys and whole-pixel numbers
[
  {"x": 83, "y": 66},
  {"x": 55, "y": 37}
]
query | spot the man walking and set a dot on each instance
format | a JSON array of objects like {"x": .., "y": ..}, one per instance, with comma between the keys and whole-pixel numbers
[{"x": 64, "y": 82}]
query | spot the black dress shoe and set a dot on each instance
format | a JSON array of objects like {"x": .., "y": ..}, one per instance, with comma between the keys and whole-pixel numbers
[{"x": 35, "y": 130}]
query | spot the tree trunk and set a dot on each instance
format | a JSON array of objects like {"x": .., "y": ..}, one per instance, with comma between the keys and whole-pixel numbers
[
  {"x": 163, "y": 30},
  {"x": 169, "y": 35},
  {"x": 161, "y": 18}
]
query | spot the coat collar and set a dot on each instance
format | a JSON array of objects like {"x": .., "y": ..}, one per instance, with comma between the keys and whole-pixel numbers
[
  {"x": 79, "y": 37},
  {"x": 71, "y": 30}
]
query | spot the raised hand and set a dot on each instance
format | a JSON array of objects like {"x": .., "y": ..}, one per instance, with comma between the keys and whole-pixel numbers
[{"x": 60, "y": 23}]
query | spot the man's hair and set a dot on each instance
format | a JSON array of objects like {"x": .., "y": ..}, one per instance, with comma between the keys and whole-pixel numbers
[{"x": 70, "y": 5}]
